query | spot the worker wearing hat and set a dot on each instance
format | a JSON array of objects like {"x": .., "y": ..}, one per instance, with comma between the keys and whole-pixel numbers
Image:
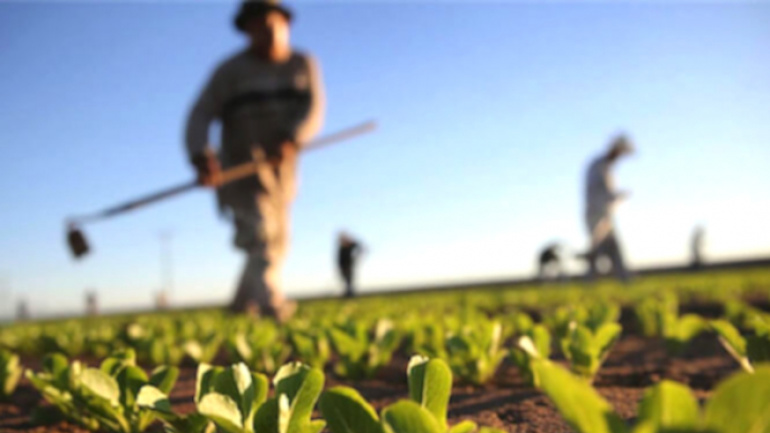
[
  {"x": 601, "y": 199},
  {"x": 269, "y": 101}
]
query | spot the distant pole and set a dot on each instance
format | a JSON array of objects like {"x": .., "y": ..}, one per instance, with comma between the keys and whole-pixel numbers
[
  {"x": 5, "y": 298},
  {"x": 92, "y": 303},
  {"x": 166, "y": 265},
  {"x": 22, "y": 311}
]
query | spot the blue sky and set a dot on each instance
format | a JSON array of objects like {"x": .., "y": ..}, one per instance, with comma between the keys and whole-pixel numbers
[{"x": 488, "y": 114}]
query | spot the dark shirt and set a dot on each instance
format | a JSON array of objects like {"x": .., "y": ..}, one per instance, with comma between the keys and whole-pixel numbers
[{"x": 347, "y": 255}]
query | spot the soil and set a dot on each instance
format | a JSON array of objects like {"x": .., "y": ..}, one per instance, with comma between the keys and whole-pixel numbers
[{"x": 634, "y": 364}]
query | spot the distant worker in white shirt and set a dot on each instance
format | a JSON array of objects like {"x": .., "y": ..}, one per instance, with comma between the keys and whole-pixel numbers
[{"x": 601, "y": 199}]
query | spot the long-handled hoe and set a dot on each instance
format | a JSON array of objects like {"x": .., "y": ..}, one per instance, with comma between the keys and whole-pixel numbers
[{"x": 79, "y": 245}]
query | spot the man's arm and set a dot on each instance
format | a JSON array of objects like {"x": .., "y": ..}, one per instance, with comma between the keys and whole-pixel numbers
[
  {"x": 311, "y": 117},
  {"x": 615, "y": 194},
  {"x": 207, "y": 107}
]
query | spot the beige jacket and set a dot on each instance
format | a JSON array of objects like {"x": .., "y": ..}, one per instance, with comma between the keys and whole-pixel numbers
[{"x": 258, "y": 103}]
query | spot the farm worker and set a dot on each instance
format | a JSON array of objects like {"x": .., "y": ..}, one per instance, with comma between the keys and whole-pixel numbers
[
  {"x": 549, "y": 262},
  {"x": 347, "y": 255},
  {"x": 696, "y": 247},
  {"x": 601, "y": 199},
  {"x": 269, "y": 99}
]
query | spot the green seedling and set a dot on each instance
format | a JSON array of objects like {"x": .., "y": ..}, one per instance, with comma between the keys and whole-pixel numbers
[
  {"x": 312, "y": 347},
  {"x": 430, "y": 386},
  {"x": 587, "y": 350},
  {"x": 426, "y": 338},
  {"x": 475, "y": 352},
  {"x": 522, "y": 323},
  {"x": 103, "y": 398},
  {"x": 297, "y": 388},
  {"x": 203, "y": 350},
  {"x": 535, "y": 344},
  {"x": 600, "y": 314},
  {"x": 234, "y": 400},
  {"x": 261, "y": 348},
  {"x": 360, "y": 355},
  {"x": 747, "y": 350},
  {"x": 154, "y": 345},
  {"x": 659, "y": 317},
  {"x": 10, "y": 372},
  {"x": 739, "y": 404}
]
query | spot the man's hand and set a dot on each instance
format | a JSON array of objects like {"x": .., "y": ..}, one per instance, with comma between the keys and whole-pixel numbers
[
  {"x": 622, "y": 195},
  {"x": 208, "y": 168},
  {"x": 285, "y": 152}
]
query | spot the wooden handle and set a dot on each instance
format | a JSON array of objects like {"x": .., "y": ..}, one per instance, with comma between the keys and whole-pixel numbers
[{"x": 248, "y": 169}]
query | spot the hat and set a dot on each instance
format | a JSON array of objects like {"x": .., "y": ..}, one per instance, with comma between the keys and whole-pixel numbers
[
  {"x": 621, "y": 145},
  {"x": 252, "y": 8}
]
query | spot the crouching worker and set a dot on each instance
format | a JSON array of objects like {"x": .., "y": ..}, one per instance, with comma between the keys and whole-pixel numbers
[
  {"x": 549, "y": 263},
  {"x": 269, "y": 100}
]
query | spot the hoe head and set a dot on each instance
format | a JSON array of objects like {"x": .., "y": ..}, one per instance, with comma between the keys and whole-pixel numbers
[{"x": 76, "y": 241}]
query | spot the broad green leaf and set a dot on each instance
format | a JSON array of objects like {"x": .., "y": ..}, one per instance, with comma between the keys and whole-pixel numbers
[
  {"x": 243, "y": 348},
  {"x": 315, "y": 426},
  {"x": 203, "y": 380},
  {"x": 579, "y": 404},
  {"x": 117, "y": 361},
  {"x": 10, "y": 372},
  {"x": 193, "y": 349},
  {"x": 110, "y": 416},
  {"x": 669, "y": 406},
  {"x": 222, "y": 410},
  {"x": 463, "y": 427},
  {"x": 345, "y": 344},
  {"x": 581, "y": 351},
  {"x": 346, "y": 411},
  {"x": 242, "y": 377},
  {"x": 154, "y": 399},
  {"x": 289, "y": 378},
  {"x": 224, "y": 383},
  {"x": 409, "y": 417},
  {"x": 261, "y": 388},
  {"x": 605, "y": 338},
  {"x": 164, "y": 378},
  {"x": 542, "y": 340},
  {"x": 689, "y": 326},
  {"x": 430, "y": 385},
  {"x": 56, "y": 364},
  {"x": 522, "y": 323},
  {"x": 733, "y": 342},
  {"x": 758, "y": 348},
  {"x": 130, "y": 380},
  {"x": 600, "y": 314},
  {"x": 741, "y": 403},
  {"x": 266, "y": 418},
  {"x": 528, "y": 346},
  {"x": 522, "y": 355},
  {"x": 244, "y": 383},
  {"x": 101, "y": 384},
  {"x": 302, "y": 386}
]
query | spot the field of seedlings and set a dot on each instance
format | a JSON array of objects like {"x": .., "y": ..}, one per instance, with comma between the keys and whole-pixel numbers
[{"x": 676, "y": 353}]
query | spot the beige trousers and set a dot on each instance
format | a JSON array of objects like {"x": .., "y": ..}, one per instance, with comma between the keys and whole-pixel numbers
[
  {"x": 261, "y": 217},
  {"x": 604, "y": 243}
]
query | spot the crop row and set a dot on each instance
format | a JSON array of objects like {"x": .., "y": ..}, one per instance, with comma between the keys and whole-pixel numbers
[
  {"x": 472, "y": 343},
  {"x": 120, "y": 397}
]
